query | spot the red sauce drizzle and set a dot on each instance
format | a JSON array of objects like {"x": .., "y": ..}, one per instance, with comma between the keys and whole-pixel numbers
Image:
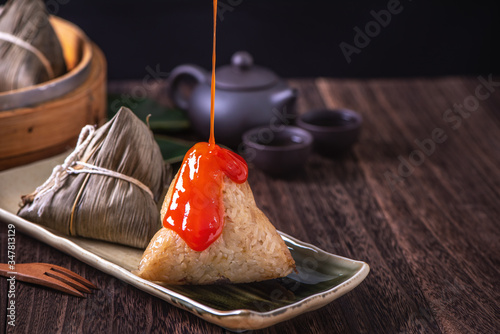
[{"x": 196, "y": 209}]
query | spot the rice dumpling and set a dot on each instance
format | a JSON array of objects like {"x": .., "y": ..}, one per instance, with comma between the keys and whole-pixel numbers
[
  {"x": 108, "y": 188},
  {"x": 241, "y": 246},
  {"x": 30, "y": 52}
]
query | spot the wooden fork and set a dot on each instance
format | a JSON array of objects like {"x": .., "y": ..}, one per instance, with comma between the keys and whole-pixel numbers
[{"x": 48, "y": 275}]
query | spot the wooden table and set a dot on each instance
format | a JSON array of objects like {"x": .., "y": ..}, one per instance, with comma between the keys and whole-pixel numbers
[{"x": 418, "y": 199}]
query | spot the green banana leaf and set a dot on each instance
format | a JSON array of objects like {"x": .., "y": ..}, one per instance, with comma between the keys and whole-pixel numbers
[
  {"x": 173, "y": 149},
  {"x": 162, "y": 119}
]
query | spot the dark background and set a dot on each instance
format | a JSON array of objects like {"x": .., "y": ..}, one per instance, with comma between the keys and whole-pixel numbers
[{"x": 294, "y": 38}]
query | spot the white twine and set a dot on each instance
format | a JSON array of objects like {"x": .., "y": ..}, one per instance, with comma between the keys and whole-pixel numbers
[
  {"x": 91, "y": 169},
  {"x": 25, "y": 45},
  {"x": 59, "y": 173}
]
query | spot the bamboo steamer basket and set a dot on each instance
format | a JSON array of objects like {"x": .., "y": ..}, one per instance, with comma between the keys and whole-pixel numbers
[{"x": 43, "y": 120}]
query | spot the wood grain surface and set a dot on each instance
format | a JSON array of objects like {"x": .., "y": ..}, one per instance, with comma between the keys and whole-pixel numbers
[{"x": 418, "y": 199}]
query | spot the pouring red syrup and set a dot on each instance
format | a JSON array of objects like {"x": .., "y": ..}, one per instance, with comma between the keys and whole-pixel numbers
[{"x": 196, "y": 209}]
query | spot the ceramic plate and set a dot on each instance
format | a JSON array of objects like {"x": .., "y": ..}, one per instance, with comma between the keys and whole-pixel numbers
[{"x": 321, "y": 278}]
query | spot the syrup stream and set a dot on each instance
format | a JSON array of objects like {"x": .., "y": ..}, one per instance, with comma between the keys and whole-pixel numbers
[{"x": 211, "y": 141}]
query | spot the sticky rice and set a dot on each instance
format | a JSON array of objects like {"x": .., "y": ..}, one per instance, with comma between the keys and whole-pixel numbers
[{"x": 248, "y": 250}]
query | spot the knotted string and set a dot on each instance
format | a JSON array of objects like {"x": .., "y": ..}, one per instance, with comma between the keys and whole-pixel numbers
[
  {"x": 91, "y": 169},
  {"x": 59, "y": 173}
]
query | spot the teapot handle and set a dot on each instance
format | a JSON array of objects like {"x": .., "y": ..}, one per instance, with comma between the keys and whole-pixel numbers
[
  {"x": 283, "y": 99},
  {"x": 179, "y": 74}
]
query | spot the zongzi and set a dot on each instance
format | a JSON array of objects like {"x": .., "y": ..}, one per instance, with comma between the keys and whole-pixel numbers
[
  {"x": 30, "y": 52},
  {"x": 108, "y": 188},
  {"x": 213, "y": 231}
]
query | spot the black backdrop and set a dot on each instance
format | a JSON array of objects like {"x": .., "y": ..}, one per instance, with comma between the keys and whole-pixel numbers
[{"x": 294, "y": 38}]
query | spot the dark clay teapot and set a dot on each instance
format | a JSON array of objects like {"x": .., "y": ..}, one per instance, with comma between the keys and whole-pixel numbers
[{"x": 246, "y": 96}]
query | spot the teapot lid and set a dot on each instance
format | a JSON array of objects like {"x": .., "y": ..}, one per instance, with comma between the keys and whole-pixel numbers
[{"x": 243, "y": 75}]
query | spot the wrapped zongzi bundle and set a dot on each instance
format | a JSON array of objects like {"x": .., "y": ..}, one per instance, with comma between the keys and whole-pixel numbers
[
  {"x": 30, "y": 52},
  {"x": 108, "y": 188},
  {"x": 213, "y": 230}
]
